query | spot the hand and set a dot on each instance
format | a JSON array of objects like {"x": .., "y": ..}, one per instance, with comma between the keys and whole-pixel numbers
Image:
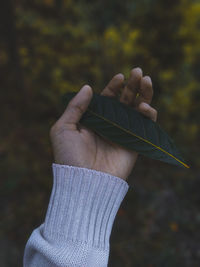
[{"x": 76, "y": 145}]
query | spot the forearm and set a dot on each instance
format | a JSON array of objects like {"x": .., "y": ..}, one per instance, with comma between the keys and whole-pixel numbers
[{"x": 79, "y": 219}]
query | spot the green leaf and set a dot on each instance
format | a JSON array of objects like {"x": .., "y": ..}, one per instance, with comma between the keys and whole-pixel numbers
[{"x": 127, "y": 127}]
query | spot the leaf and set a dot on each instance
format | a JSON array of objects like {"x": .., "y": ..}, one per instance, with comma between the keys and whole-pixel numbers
[{"x": 127, "y": 127}]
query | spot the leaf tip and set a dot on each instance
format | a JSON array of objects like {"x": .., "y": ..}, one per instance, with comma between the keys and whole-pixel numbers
[{"x": 185, "y": 165}]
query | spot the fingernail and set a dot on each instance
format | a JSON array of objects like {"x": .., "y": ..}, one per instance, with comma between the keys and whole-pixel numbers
[
  {"x": 84, "y": 89},
  {"x": 139, "y": 70},
  {"x": 148, "y": 79},
  {"x": 120, "y": 76},
  {"x": 144, "y": 106}
]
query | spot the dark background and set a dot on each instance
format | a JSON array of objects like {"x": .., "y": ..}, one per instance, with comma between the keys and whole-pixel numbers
[{"x": 50, "y": 47}]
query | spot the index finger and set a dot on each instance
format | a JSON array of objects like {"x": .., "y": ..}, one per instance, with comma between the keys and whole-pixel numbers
[{"x": 113, "y": 88}]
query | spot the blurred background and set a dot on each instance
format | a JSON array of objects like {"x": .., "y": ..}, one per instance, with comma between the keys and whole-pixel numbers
[{"x": 50, "y": 47}]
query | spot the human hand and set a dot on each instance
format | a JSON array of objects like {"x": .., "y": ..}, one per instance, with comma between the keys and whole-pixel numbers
[{"x": 76, "y": 145}]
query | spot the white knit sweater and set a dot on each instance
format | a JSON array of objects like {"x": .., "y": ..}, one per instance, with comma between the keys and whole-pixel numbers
[{"x": 79, "y": 219}]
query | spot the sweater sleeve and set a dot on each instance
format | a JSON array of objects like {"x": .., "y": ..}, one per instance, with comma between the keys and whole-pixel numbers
[{"x": 79, "y": 219}]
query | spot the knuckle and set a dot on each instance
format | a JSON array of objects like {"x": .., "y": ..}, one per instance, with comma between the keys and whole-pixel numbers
[
  {"x": 77, "y": 109},
  {"x": 54, "y": 129},
  {"x": 57, "y": 129}
]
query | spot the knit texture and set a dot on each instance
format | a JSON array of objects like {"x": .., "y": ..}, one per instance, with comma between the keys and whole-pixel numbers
[{"x": 79, "y": 219}]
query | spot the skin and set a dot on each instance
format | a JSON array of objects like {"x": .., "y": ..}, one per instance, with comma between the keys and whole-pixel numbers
[{"x": 76, "y": 145}]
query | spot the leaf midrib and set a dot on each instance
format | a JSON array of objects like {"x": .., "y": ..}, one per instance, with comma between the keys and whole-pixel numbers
[{"x": 127, "y": 131}]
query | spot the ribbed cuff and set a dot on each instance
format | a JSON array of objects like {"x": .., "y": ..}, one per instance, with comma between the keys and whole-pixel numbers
[{"x": 83, "y": 205}]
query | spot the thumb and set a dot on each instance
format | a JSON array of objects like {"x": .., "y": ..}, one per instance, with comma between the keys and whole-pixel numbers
[{"x": 77, "y": 106}]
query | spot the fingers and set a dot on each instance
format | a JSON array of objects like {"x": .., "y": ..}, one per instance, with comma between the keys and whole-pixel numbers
[
  {"x": 138, "y": 92},
  {"x": 129, "y": 92},
  {"x": 77, "y": 106},
  {"x": 145, "y": 91},
  {"x": 148, "y": 111},
  {"x": 114, "y": 86}
]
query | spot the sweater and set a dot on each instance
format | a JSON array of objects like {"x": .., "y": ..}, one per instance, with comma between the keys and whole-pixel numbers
[{"x": 79, "y": 219}]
